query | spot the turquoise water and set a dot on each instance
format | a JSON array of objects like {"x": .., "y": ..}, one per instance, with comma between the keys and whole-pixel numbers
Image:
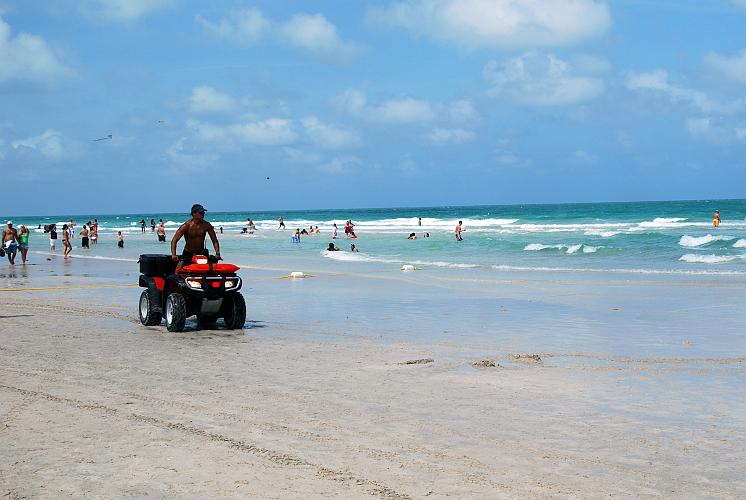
[{"x": 674, "y": 237}]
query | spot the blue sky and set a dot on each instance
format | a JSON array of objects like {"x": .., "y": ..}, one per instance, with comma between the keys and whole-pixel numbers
[{"x": 363, "y": 104}]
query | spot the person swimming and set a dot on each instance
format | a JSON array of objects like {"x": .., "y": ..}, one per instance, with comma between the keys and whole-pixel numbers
[{"x": 332, "y": 248}]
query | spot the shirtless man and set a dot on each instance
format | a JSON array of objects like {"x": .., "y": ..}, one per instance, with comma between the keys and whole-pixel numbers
[
  {"x": 194, "y": 232},
  {"x": 10, "y": 242},
  {"x": 458, "y": 231},
  {"x": 161, "y": 232}
]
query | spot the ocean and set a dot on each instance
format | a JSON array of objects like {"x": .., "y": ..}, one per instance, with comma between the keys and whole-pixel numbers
[{"x": 671, "y": 237}]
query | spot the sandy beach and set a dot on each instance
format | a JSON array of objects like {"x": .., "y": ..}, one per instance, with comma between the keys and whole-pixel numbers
[{"x": 364, "y": 386}]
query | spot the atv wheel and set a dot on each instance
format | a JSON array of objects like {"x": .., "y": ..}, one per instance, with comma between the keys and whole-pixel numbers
[
  {"x": 234, "y": 311},
  {"x": 175, "y": 312},
  {"x": 148, "y": 316}
]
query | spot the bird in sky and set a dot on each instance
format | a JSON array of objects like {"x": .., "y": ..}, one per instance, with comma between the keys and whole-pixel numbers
[{"x": 103, "y": 138}]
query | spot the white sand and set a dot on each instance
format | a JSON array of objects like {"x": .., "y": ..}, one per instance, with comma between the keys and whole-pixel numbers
[{"x": 94, "y": 405}]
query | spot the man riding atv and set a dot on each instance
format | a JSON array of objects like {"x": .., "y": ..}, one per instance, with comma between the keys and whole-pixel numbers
[{"x": 194, "y": 232}]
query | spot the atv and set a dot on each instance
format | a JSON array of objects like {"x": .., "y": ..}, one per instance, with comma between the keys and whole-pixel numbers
[{"x": 203, "y": 288}]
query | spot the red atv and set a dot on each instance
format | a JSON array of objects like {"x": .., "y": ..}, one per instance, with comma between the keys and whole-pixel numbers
[{"x": 204, "y": 288}]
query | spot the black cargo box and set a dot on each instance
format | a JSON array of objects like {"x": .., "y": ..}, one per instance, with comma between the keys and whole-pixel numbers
[{"x": 152, "y": 264}]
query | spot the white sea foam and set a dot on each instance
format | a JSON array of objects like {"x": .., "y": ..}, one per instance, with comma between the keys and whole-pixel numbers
[
  {"x": 682, "y": 272},
  {"x": 570, "y": 249},
  {"x": 739, "y": 244},
  {"x": 709, "y": 259},
  {"x": 697, "y": 241},
  {"x": 603, "y": 234},
  {"x": 362, "y": 257}
]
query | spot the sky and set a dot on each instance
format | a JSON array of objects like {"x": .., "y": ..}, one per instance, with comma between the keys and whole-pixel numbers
[{"x": 128, "y": 106}]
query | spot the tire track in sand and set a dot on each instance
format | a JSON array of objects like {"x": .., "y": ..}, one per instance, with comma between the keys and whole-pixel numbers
[{"x": 347, "y": 478}]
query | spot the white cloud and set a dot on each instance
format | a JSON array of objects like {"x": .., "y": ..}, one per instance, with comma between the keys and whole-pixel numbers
[
  {"x": 311, "y": 33},
  {"x": 540, "y": 80},
  {"x": 499, "y": 23},
  {"x": 123, "y": 10},
  {"x": 581, "y": 157},
  {"x": 462, "y": 111},
  {"x": 732, "y": 67},
  {"x": 315, "y": 34},
  {"x": 50, "y": 144},
  {"x": 403, "y": 110},
  {"x": 352, "y": 101},
  {"x": 246, "y": 26},
  {"x": 300, "y": 156},
  {"x": 28, "y": 57},
  {"x": 658, "y": 81},
  {"x": 716, "y": 131},
  {"x": 209, "y": 100},
  {"x": 510, "y": 159},
  {"x": 269, "y": 132},
  {"x": 442, "y": 136},
  {"x": 398, "y": 110},
  {"x": 328, "y": 136},
  {"x": 340, "y": 165},
  {"x": 179, "y": 156}
]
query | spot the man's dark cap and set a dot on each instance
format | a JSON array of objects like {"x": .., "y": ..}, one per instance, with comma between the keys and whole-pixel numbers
[{"x": 198, "y": 208}]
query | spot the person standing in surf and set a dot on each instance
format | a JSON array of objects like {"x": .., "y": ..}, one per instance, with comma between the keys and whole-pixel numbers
[
  {"x": 458, "y": 231},
  {"x": 716, "y": 219}
]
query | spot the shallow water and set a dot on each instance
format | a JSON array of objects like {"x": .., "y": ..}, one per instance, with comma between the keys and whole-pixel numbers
[{"x": 650, "y": 237}]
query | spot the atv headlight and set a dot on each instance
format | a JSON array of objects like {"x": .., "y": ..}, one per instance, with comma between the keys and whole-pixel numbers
[{"x": 194, "y": 283}]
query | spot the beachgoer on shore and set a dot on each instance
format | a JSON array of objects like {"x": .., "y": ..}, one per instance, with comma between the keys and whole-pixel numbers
[
  {"x": 84, "y": 237},
  {"x": 419, "y": 221},
  {"x": 194, "y": 231},
  {"x": 23, "y": 236},
  {"x": 716, "y": 219},
  {"x": 458, "y": 231},
  {"x": 282, "y": 223},
  {"x": 161, "y": 232},
  {"x": 332, "y": 248},
  {"x": 53, "y": 237},
  {"x": 10, "y": 242},
  {"x": 66, "y": 240},
  {"x": 221, "y": 229},
  {"x": 120, "y": 239}
]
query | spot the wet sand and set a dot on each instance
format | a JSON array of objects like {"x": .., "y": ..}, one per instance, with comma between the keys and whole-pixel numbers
[{"x": 366, "y": 387}]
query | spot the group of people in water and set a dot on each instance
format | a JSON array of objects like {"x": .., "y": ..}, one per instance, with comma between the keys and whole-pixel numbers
[{"x": 14, "y": 240}]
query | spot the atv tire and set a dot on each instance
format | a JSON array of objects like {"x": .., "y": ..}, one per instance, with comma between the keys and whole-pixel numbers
[
  {"x": 175, "y": 312},
  {"x": 148, "y": 314},
  {"x": 234, "y": 311}
]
